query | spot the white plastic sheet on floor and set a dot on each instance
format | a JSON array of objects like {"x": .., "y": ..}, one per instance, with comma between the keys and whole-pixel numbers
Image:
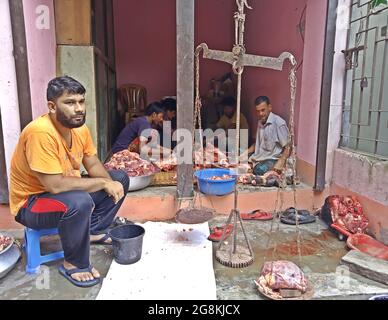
[{"x": 176, "y": 264}]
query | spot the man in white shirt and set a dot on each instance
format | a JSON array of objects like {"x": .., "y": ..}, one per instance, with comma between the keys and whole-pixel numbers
[{"x": 272, "y": 148}]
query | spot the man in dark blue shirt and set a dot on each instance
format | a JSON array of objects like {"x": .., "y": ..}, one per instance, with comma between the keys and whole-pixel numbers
[
  {"x": 139, "y": 131},
  {"x": 168, "y": 127}
]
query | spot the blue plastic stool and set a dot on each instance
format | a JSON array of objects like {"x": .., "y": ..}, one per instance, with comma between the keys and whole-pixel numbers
[{"x": 32, "y": 249}]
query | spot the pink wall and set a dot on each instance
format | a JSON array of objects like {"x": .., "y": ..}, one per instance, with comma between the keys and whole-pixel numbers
[
  {"x": 272, "y": 28},
  {"x": 41, "y": 46},
  {"x": 215, "y": 27},
  {"x": 146, "y": 48},
  {"x": 146, "y": 45},
  {"x": 146, "y": 53},
  {"x": 9, "y": 104},
  {"x": 311, "y": 81}
]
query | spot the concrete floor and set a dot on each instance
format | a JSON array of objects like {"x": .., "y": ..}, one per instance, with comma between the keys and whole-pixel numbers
[{"x": 321, "y": 255}]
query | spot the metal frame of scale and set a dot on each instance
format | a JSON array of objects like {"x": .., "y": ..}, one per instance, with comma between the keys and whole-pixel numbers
[{"x": 234, "y": 255}]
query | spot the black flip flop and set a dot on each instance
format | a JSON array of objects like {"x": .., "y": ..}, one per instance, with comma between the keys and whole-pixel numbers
[
  {"x": 304, "y": 217},
  {"x": 120, "y": 221},
  {"x": 103, "y": 241},
  {"x": 82, "y": 284}
]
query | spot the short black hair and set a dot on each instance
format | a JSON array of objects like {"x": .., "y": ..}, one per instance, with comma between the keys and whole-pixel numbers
[
  {"x": 262, "y": 99},
  {"x": 154, "y": 107},
  {"x": 58, "y": 86},
  {"x": 169, "y": 104},
  {"x": 229, "y": 101}
]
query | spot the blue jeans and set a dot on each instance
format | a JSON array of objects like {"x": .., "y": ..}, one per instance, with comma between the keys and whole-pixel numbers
[
  {"x": 76, "y": 214},
  {"x": 263, "y": 167}
]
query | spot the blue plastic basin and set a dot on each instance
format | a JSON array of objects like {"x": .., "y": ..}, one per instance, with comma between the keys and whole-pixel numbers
[{"x": 215, "y": 187}]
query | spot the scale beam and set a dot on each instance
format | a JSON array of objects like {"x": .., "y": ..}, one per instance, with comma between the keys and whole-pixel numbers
[
  {"x": 224, "y": 56},
  {"x": 268, "y": 62},
  {"x": 246, "y": 60}
]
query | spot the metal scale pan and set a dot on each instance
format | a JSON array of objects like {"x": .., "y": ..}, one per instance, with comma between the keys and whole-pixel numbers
[{"x": 8, "y": 258}]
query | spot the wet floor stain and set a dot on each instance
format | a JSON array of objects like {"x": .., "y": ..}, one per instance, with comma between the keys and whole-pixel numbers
[
  {"x": 305, "y": 247},
  {"x": 319, "y": 252}
]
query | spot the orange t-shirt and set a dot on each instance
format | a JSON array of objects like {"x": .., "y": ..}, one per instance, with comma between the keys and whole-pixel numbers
[{"x": 42, "y": 149}]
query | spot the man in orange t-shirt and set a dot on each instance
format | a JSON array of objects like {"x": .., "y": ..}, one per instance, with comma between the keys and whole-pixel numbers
[{"x": 46, "y": 188}]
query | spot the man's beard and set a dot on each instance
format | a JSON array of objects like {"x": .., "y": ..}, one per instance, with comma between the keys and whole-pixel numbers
[{"x": 71, "y": 123}]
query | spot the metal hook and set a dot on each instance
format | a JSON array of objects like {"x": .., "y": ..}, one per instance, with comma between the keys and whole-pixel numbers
[
  {"x": 241, "y": 4},
  {"x": 237, "y": 70}
]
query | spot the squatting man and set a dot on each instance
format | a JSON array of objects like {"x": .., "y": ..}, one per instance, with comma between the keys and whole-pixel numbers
[{"x": 46, "y": 187}]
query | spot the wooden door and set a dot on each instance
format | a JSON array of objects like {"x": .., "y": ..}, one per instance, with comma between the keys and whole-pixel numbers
[{"x": 103, "y": 41}]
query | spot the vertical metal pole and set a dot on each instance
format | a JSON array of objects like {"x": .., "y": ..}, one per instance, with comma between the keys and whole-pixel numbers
[
  {"x": 327, "y": 77},
  {"x": 185, "y": 87},
  {"x": 237, "y": 151},
  {"x": 235, "y": 220}
]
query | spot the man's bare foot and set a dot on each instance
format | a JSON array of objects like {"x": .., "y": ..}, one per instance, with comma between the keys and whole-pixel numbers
[
  {"x": 84, "y": 276},
  {"x": 99, "y": 237}
]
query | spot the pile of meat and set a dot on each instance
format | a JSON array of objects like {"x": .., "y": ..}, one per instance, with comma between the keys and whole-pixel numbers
[
  {"x": 167, "y": 164},
  {"x": 221, "y": 178},
  {"x": 279, "y": 275},
  {"x": 248, "y": 178},
  {"x": 131, "y": 163},
  {"x": 4, "y": 242},
  {"x": 347, "y": 213},
  {"x": 210, "y": 157},
  {"x": 270, "y": 179}
]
